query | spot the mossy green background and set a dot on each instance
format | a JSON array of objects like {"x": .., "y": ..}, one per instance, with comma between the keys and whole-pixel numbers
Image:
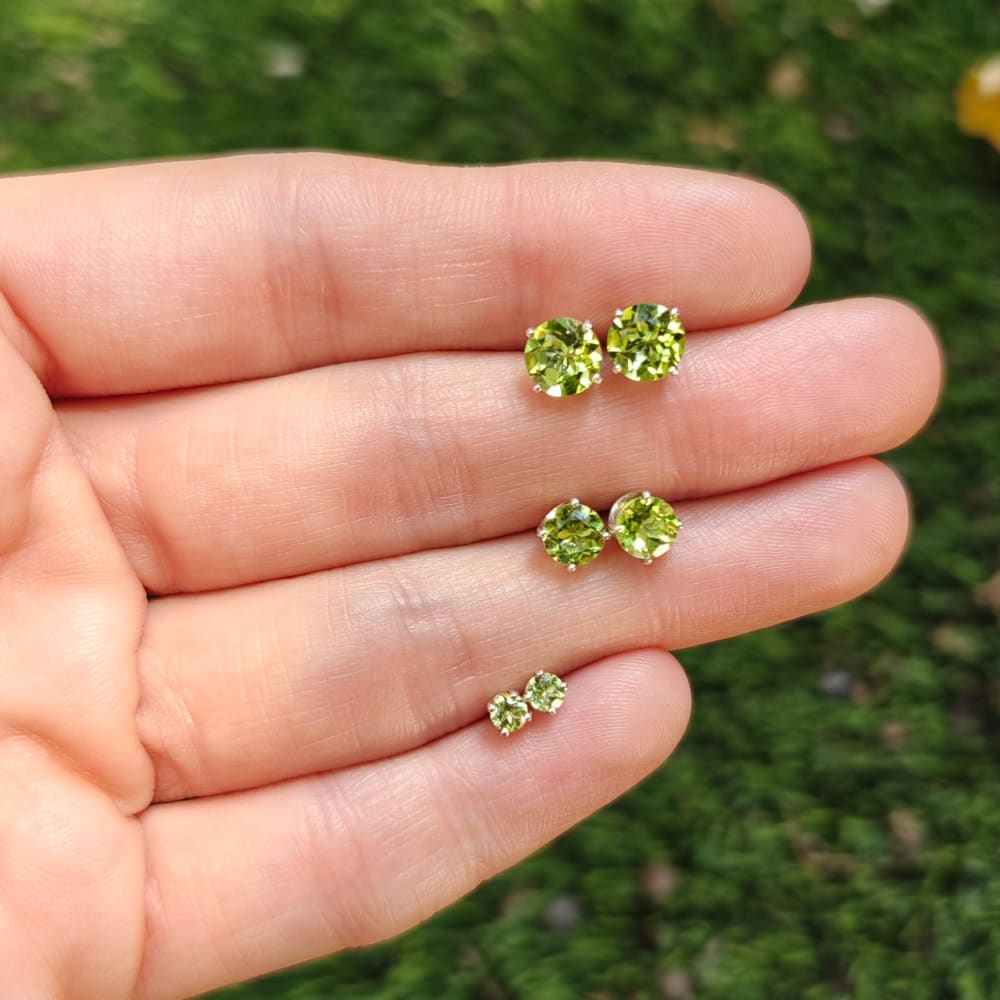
[{"x": 831, "y": 826}]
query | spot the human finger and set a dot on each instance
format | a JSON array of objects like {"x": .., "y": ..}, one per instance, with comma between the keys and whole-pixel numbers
[
  {"x": 162, "y": 275},
  {"x": 245, "y": 883},
  {"x": 220, "y": 487},
  {"x": 250, "y": 686}
]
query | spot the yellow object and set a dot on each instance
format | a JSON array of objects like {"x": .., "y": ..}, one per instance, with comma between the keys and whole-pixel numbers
[{"x": 978, "y": 101}]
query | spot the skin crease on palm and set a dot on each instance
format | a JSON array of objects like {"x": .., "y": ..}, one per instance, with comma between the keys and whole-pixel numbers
[{"x": 269, "y": 468}]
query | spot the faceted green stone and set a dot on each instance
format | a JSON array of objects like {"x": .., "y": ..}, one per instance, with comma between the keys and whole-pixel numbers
[
  {"x": 508, "y": 712},
  {"x": 563, "y": 356},
  {"x": 644, "y": 525},
  {"x": 573, "y": 534},
  {"x": 646, "y": 342},
  {"x": 545, "y": 692}
]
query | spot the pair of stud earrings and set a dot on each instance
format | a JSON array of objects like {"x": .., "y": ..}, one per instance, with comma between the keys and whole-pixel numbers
[
  {"x": 564, "y": 357},
  {"x": 643, "y": 525},
  {"x": 510, "y": 711}
]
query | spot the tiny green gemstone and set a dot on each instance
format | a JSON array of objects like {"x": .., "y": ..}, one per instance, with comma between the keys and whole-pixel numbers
[
  {"x": 563, "y": 356},
  {"x": 509, "y": 712},
  {"x": 646, "y": 342},
  {"x": 645, "y": 526},
  {"x": 572, "y": 533},
  {"x": 545, "y": 692}
]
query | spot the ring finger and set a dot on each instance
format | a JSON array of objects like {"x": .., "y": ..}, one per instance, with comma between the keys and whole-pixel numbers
[{"x": 254, "y": 685}]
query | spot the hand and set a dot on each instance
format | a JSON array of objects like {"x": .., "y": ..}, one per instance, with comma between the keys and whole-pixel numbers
[{"x": 286, "y": 396}]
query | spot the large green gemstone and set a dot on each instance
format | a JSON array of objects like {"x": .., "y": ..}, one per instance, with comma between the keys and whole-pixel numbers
[
  {"x": 573, "y": 534},
  {"x": 646, "y": 342},
  {"x": 508, "y": 712},
  {"x": 563, "y": 356},
  {"x": 545, "y": 692},
  {"x": 644, "y": 525}
]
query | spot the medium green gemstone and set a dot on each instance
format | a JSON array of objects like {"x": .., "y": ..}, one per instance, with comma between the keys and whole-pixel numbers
[
  {"x": 545, "y": 692},
  {"x": 563, "y": 356},
  {"x": 509, "y": 712},
  {"x": 646, "y": 342},
  {"x": 573, "y": 534},
  {"x": 644, "y": 525}
]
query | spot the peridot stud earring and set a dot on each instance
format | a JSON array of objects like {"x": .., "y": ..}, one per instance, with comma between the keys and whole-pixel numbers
[
  {"x": 646, "y": 342},
  {"x": 573, "y": 534},
  {"x": 563, "y": 356},
  {"x": 509, "y": 712},
  {"x": 545, "y": 692},
  {"x": 644, "y": 526}
]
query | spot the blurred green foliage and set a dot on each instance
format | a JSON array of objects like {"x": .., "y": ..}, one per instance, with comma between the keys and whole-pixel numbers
[{"x": 831, "y": 827}]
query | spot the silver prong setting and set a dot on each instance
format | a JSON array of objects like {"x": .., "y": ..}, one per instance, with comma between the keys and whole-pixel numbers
[
  {"x": 646, "y": 495},
  {"x": 675, "y": 312},
  {"x": 619, "y": 313},
  {"x": 508, "y": 712},
  {"x": 572, "y": 534},
  {"x": 529, "y": 333},
  {"x": 647, "y": 562},
  {"x": 616, "y": 368}
]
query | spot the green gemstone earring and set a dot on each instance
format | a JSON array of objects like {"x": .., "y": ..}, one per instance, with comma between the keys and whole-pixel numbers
[
  {"x": 509, "y": 712},
  {"x": 646, "y": 342},
  {"x": 644, "y": 526},
  {"x": 563, "y": 356},
  {"x": 573, "y": 534},
  {"x": 545, "y": 692}
]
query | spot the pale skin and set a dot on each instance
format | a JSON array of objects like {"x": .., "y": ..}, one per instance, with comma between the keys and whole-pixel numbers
[{"x": 285, "y": 751}]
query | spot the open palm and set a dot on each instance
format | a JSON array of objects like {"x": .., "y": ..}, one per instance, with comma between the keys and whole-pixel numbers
[{"x": 269, "y": 465}]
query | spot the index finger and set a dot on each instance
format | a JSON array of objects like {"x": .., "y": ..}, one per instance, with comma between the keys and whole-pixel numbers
[{"x": 165, "y": 275}]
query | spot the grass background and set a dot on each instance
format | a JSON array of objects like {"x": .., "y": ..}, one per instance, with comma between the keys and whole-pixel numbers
[{"x": 831, "y": 827}]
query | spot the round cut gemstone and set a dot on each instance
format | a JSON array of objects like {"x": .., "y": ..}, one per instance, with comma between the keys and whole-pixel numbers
[
  {"x": 545, "y": 692},
  {"x": 573, "y": 534},
  {"x": 563, "y": 356},
  {"x": 508, "y": 712},
  {"x": 646, "y": 342},
  {"x": 644, "y": 525}
]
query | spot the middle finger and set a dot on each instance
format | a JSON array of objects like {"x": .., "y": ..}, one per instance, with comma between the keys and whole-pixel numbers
[{"x": 223, "y": 486}]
